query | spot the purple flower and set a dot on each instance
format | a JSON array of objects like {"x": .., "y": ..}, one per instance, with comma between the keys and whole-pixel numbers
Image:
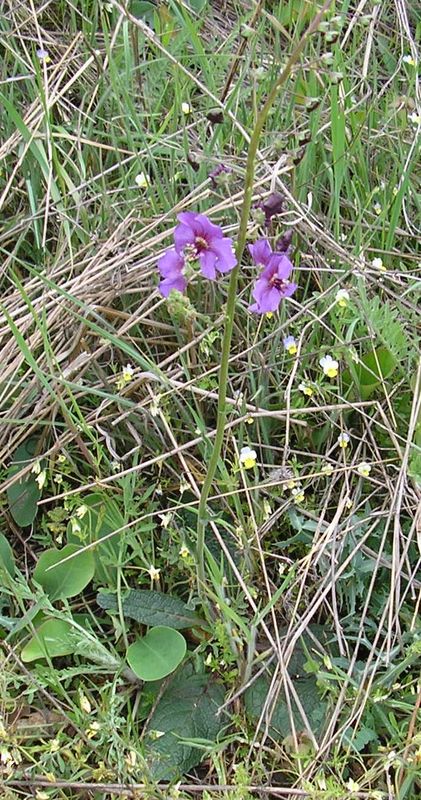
[
  {"x": 272, "y": 206},
  {"x": 42, "y": 54},
  {"x": 198, "y": 238},
  {"x": 219, "y": 175},
  {"x": 273, "y": 284},
  {"x": 283, "y": 245},
  {"x": 171, "y": 266}
]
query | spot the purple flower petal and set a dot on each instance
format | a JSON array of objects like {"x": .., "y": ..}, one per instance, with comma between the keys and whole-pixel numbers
[
  {"x": 260, "y": 251},
  {"x": 207, "y": 229},
  {"x": 226, "y": 259},
  {"x": 186, "y": 217},
  {"x": 283, "y": 266},
  {"x": 183, "y": 235},
  {"x": 290, "y": 289},
  {"x": 268, "y": 300},
  {"x": 177, "y": 282},
  {"x": 207, "y": 264},
  {"x": 170, "y": 263}
]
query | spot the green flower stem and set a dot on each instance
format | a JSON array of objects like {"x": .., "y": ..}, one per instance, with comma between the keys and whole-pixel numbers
[{"x": 232, "y": 292}]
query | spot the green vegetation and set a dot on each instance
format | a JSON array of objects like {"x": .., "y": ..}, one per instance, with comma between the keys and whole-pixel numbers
[{"x": 209, "y": 585}]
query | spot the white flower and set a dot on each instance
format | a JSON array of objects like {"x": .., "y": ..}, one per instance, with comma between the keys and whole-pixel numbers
[
  {"x": 298, "y": 495},
  {"x": 165, "y": 519},
  {"x": 248, "y": 457},
  {"x": 306, "y": 389},
  {"x": 85, "y": 704},
  {"x": 81, "y": 511},
  {"x": 290, "y": 345},
  {"x": 154, "y": 573},
  {"x": 409, "y": 60},
  {"x": 342, "y": 298},
  {"x": 184, "y": 551},
  {"x": 184, "y": 485},
  {"x": 142, "y": 180},
  {"x": 43, "y": 55},
  {"x": 377, "y": 209},
  {"x": 343, "y": 440},
  {"x": 364, "y": 469},
  {"x": 377, "y": 263},
  {"x": 186, "y": 108},
  {"x": 327, "y": 469},
  {"x": 329, "y": 366},
  {"x": 414, "y": 118},
  {"x": 41, "y": 478}
]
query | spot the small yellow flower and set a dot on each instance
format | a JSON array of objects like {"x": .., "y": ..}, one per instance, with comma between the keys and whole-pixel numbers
[
  {"x": 41, "y": 795},
  {"x": 184, "y": 551},
  {"x": 327, "y": 469},
  {"x": 93, "y": 729},
  {"x": 61, "y": 459},
  {"x": 342, "y": 298},
  {"x": 410, "y": 61},
  {"x": 329, "y": 366},
  {"x": 349, "y": 503},
  {"x": 306, "y": 389},
  {"x": 127, "y": 373},
  {"x": 290, "y": 345},
  {"x": 154, "y": 573},
  {"x": 377, "y": 209},
  {"x": 142, "y": 180},
  {"x": 298, "y": 495},
  {"x": 186, "y": 109},
  {"x": 249, "y": 420},
  {"x": 353, "y": 786},
  {"x": 395, "y": 190},
  {"x": 248, "y": 457},
  {"x": 364, "y": 469},
  {"x": 343, "y": 440},
  {"x": 269, "y": 314},
  {"x": 291, "y": 484}
]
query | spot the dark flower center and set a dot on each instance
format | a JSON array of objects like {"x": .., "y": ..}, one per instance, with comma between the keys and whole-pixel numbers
[
  {"x": 278, "y": 283},
  {"x": 201, "y": 243}
]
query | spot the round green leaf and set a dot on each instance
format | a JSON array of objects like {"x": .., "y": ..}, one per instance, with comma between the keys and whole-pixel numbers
[
  {"x": 68, "y": 579},
  {"x": 53, "y": 638},
  {"x": 157, "y": 654}
]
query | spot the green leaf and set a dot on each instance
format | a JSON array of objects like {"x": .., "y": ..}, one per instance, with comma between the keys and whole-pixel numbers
[
  {"x": 68, "y": 579},
  {"x": 157, "y": 654},
  {"x": 314, "y": 707},
  {"x": 311, "y": 645},
  {"x": 187, "y": 711},
  {"x": 7, "y": 560},
  {"x": 53, "y": 638},
  {"x": 373, "y": 368},
  {"x": 102, "y": 517},
  {"x": 153, "y": 608},
  {"x": 23, "y": 494}
]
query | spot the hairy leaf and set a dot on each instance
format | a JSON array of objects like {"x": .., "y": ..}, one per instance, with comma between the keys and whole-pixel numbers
[{"x": 152, "y": 608}]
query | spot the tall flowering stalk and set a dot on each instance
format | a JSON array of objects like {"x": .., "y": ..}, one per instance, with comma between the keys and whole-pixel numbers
[{"x": 232, "y": 291}]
